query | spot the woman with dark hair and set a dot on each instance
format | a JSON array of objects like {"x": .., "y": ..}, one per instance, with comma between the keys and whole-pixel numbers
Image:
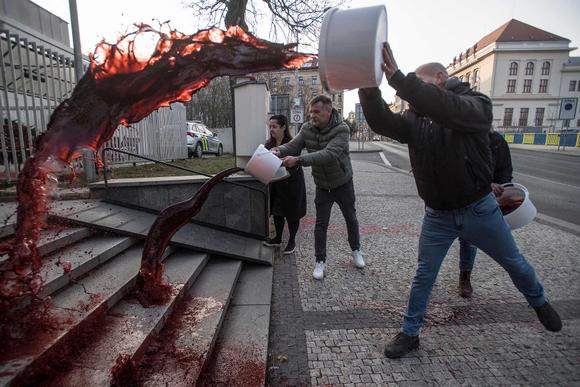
[{"x": 288, "y": 196}]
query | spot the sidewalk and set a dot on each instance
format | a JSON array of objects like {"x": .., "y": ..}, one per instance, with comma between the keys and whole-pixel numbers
[
  {"x": 331, "y": 332},
  {"x": 568, "y": 150}
]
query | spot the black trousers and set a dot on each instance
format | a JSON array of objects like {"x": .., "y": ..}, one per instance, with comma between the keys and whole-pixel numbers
[{"x": 324, "y": 200}]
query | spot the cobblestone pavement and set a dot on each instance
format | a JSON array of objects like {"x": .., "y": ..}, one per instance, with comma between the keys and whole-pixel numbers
[{"x": 331, "y": 332}]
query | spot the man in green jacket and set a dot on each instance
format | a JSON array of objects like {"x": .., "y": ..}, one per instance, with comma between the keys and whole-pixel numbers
[{"x": 326, "y": 139}]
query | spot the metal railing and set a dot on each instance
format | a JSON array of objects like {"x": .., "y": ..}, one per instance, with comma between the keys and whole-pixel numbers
[{"x": 134, "y": 155}]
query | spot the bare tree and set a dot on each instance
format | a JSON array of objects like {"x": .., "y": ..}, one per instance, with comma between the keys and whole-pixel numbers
[
  {"x": 212, "y": 105},
  {"x": 288, "y": 19}
]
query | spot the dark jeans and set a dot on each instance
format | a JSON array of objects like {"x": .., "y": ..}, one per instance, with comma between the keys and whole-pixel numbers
[
  {"x": 293, "y": 225},
  {"x": 344, "y": 196}
]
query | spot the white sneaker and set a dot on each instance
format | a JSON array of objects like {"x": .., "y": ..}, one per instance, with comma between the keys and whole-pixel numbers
[
  {"x": 357, "y": 259},
  {"x": 318, "y": 271}
]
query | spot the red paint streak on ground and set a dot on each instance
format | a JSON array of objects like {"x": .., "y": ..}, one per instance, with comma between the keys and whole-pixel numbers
[
  {"x": 123, "y": 371},
  {"x": 235, "y": 365},
  {"x": 176, "y": 356},
  {"x": 58, "y": 359}
]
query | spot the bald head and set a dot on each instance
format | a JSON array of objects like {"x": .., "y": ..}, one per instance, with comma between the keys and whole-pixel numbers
[{"x": 434, "y": 73}]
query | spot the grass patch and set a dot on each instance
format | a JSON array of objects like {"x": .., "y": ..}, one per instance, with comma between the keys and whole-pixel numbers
[{"x": 209, "y": 165}]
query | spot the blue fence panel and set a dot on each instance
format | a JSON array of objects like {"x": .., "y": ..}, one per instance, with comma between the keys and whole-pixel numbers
[
  {"x": 540, "y": 139},
  {"x": 568, "y": 139},
  {"x": 518, "y": 138}
]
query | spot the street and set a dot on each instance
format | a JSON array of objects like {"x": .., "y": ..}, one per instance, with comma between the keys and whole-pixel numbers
[{"x": 552, "y": 179}]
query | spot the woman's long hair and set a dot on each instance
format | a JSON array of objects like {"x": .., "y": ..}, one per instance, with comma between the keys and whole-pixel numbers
[{"x": 283, "y": 122}]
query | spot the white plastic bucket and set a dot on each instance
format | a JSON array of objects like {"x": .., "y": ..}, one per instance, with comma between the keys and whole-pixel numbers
[
  {"x": 265, "y": 166},
  {"x": 525, "y": 212},
  {"x": 349, "y": 50}
]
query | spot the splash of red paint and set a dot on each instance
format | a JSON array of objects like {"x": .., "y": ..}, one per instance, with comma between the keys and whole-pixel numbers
[
  {"x": 151, "y": 285},
  {"x": 121, "y": 88}
]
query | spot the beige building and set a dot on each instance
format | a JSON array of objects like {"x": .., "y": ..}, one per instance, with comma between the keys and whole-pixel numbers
[
  {"x": 527, "y": 72},
  {"x": 290, "y": 88}
]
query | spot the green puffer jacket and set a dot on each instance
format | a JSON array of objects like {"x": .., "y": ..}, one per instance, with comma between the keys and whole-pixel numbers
[{"x": 328, "y": 152}]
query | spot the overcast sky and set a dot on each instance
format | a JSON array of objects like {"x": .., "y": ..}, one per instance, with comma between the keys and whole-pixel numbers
[{"x": 419, "y": 30}]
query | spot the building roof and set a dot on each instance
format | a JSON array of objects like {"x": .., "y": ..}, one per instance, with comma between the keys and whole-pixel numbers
[
  {"x": 512, "y": 31},
  {"x": 517, "y": 31}
]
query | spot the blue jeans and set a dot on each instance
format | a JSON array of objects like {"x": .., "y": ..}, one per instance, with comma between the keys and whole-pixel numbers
[
  {"x": 467, "y": 253},
  {"x": 481, "y": 224}
]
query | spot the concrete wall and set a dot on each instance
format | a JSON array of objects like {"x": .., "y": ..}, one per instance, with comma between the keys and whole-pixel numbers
[
  {"x": 35, "y": 23},
  {"x": 227, "y": 137},
  {"x": 228, "y": 206}
]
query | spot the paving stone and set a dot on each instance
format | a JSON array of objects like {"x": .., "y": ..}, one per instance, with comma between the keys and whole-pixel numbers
[{"x": 492, "y": 339}]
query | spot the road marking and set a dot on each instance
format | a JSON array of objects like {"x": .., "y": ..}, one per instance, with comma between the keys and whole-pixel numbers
[
  {"x": 395, "y": 149},
  {"x": 387, "y": 163},
  {"x": 548, "y": 180}
]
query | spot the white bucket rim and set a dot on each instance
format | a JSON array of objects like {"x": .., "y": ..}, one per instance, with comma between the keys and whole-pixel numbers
[{"x": 525, "y": 213}]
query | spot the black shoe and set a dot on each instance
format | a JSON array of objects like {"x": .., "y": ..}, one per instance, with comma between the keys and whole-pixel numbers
[
  {"x": 548, "y": 317},
  {"x": 290, "y": 247},
  {"x": 273, "y": 242},
  {"x": 465, "y": 289},
  {"x": 400, "y": 345}
]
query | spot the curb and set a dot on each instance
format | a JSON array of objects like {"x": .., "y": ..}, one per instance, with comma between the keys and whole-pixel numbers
[{"x": 556, "y": 152}]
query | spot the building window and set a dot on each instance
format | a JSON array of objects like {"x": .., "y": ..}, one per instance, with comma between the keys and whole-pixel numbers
[
  {"x": 513, "y": 68},
  {"x": 539, "y": 119},
  {"x": 314, "y": 80},
  {"x": 314, "y": 93},
  {"x": 287, "y": 81},
  {"x": 468, "y": 78},
  {"x": 530, "y": 68},
  {"x": 475, "y": 74},
  {"x": 527, "y": 85},
  {"x": 274, "y": 81},
  {"x": 546, "y": 68},
  {"x": 578, "y": 86},
  {"x": 300, "y": 80},
  {"x": 511, "y": 86},
  {"x": 279, "y": 104},
  {"x": 508, "y": 116},
  {"x": 523, "y": 117},
  {"x": 572, "y": 86},
  {"x": 543, "y": 86}
]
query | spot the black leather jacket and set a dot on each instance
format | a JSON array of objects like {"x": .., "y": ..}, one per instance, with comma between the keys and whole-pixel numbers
[
  {"x": 501, "y": 160},
  {"x": 447, "y": 131}
]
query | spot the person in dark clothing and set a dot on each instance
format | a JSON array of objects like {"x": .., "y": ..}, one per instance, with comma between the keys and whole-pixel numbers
[
  {"x": 288, "y": 196},
  {"x": 446, "y": 130},
  {"x": 501, "y": 165}
]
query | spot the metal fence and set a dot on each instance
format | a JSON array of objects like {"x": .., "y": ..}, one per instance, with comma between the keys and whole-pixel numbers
[
  {"x": 160, "y": 136},
  {"x": 35, "y": 80}
]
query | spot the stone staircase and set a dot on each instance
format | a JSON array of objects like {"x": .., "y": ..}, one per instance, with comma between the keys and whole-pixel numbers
[{"x": 213, "y": 331}]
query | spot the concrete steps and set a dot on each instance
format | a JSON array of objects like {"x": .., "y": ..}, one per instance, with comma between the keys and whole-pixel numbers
[
  {"x": 182, "y": 350},
  {"x": 100, "y": 335},
  {"x": 241, "y": 352}
]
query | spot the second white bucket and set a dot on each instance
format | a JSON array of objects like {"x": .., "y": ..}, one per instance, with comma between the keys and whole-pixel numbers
[
  {"x": 349, "y": 50},
  {"x": 265, "y": 166},
  {"x": 525, "y": 213}
]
